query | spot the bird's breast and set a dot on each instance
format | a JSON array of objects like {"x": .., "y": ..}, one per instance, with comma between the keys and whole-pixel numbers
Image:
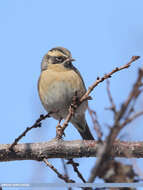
[{"x": 56, "y": 89}]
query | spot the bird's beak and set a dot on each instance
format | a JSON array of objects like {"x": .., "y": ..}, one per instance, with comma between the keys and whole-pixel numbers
[{"x": 69, "y": 60}]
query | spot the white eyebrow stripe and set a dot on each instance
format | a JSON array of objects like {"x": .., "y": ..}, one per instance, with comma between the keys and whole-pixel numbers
[{"x": 56, "y": 53}]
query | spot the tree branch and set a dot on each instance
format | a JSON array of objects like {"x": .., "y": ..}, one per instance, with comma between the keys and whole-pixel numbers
[
  {"x": 68, "y": 150},
  {"x": 105, "y": 152},
  {"x": 65, "y": 178},
  {"x": 106, "y": 76},
  {"x": 35, "y": 125}
]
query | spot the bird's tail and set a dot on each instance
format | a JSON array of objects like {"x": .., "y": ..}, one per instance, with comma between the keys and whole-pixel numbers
[
  {"x": 86, "y": 134},
  {"x": 83, "y": 129}
]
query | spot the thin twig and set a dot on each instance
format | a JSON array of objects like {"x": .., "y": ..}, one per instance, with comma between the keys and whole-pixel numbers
[
  {"x": 106, "y": 76},
  {"x": 60, "y": 129},
  {"x": 131, "y": 108},
  {"x": 113, "y": 106},
  {"x": 65, "y": 178},
  {"x": 133, "y": 103},
  {"x": 129, "y": 120},
  {"x": 75, "y": 167},
  {"x": 95, "y": 121},
  {"x": 64, "y": 167},
  {"x": 35, "y": 125},
  {"x": 65, "y": 171},
  {"x": 132, "y": 95}
]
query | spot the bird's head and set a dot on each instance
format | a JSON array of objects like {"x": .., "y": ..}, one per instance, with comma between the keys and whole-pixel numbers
[{"x": 57, "y": 55}]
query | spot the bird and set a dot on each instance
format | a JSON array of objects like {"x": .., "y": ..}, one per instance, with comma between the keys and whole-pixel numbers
[{"x": 58, "y": 82}]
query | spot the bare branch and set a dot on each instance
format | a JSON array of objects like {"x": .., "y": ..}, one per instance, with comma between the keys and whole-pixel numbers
[
  {"x": 95, "y": 121},
  {"x": 68, "y": 150},
  {"x": 116, "y": 172},
  {"x": 65, "y": 178},
  {"x": 113, "y": 106},
  {"x": 64, "y": 167},
  {"x": 129, "y": 120},
  {"x": 106, "y": 76},
  {"x": 60, "y": 129},
  {"x": 105, "y": 153},
  {"x": 35, "y": 125},
  {"x": 132, "y": 95},
  {"x": 75, "y": 167}
]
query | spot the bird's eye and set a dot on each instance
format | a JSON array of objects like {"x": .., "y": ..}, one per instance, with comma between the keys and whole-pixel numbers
[{"x": 59, "y": 59}]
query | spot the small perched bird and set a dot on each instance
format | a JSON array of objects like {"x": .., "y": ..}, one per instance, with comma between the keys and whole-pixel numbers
[{"x": 58, "y": 83}]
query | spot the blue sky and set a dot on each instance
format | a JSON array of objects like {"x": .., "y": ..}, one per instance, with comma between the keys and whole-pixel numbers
[{"x": 100, "y": 34}]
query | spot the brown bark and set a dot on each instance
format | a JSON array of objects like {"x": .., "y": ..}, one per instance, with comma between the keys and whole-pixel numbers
[{"x": 67, "y": 150}]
